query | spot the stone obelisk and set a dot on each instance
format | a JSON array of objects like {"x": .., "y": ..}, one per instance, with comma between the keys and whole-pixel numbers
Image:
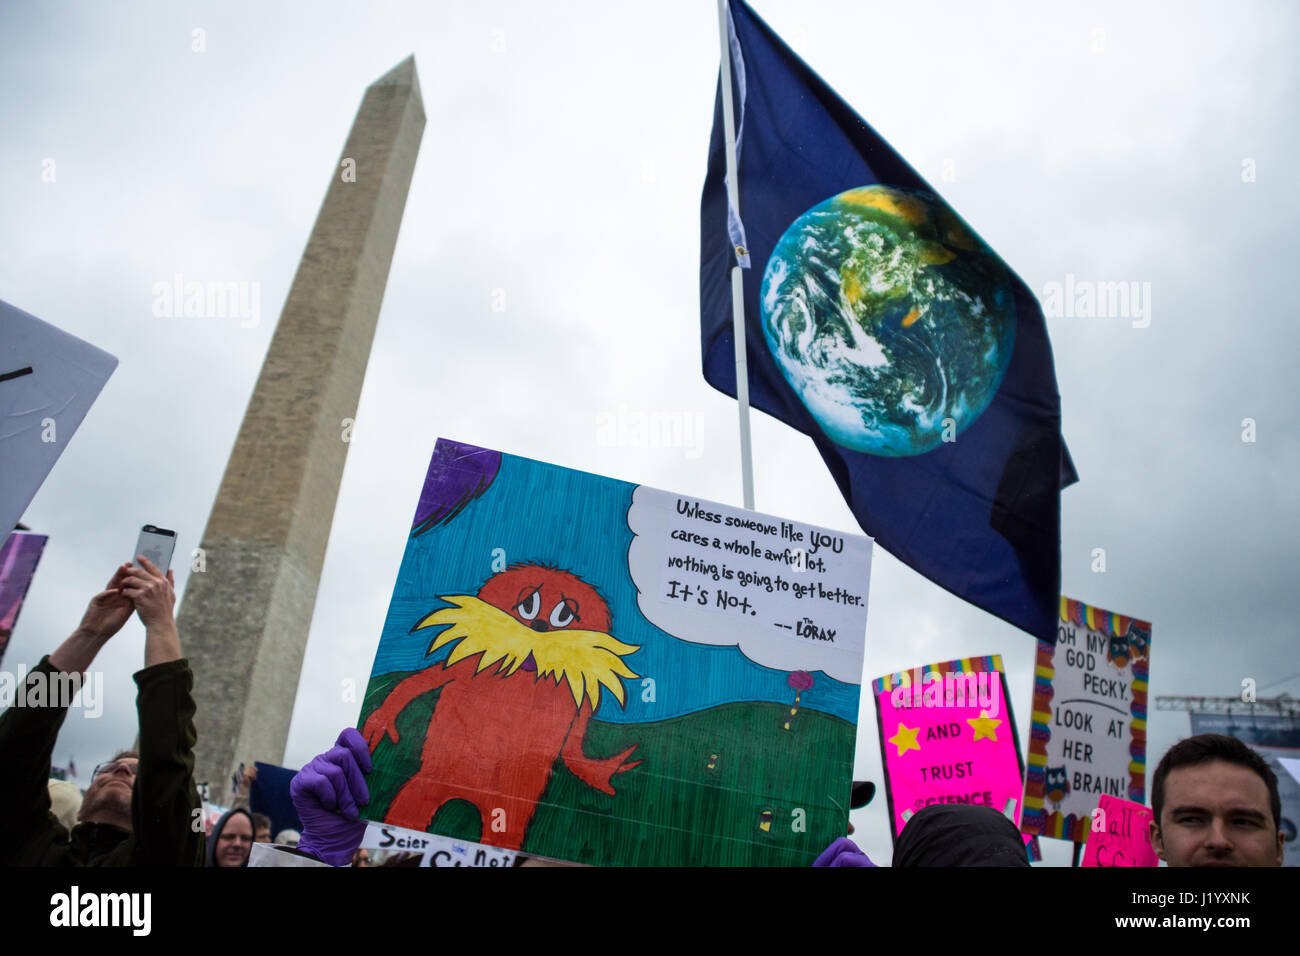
[{"x": 245, "y": 617}]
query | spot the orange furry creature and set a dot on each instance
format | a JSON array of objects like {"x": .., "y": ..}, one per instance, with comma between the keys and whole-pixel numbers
[{"x": 517, "y": 693}]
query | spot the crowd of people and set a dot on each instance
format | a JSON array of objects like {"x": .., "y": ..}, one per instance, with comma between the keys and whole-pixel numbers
[{"x": 1215, "y": 801}]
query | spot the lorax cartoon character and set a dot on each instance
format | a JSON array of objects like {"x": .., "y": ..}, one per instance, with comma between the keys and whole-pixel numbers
[{"x": 517, "y": 694}]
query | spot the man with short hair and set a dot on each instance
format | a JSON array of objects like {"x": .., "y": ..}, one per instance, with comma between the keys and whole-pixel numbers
[
  {"x": 1216, "y": 803},
  {"x": 261, "y": 828},
  {"x": 140, "y": 810},
  {"x": 108, "y": 798}
]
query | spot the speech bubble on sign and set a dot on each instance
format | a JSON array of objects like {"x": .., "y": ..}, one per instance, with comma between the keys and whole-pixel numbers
[{"x": 789, "y": 595}]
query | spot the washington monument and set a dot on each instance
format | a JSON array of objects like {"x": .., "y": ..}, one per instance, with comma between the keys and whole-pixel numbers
[{"x": 246, "y": 615}]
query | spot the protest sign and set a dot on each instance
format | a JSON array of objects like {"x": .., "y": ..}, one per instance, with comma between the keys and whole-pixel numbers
[
  {"x": 1292, "y": 766},
  {"x": 1120, "y": 834},
  {"x": 623, "y": 676},
  {"x": 1276, "y": 738},
  {"x": 212, "y": 814},
  {"x": 48, "y": 380},
  {"x": 1089, "y": 726},
  {"x": 947, "y": 735},
  {"x": 434, "y": 850},
  {"x": 269, "y": 795},
  {"x": 19, "y": 556}
]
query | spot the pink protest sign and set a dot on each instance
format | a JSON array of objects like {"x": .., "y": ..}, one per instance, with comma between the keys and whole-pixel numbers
[
  {"x": 1120, "y": 835},
  {"x": 947, "y": 735}
]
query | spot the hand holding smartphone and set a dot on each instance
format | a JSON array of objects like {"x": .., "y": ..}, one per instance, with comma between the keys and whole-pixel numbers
[
  {"x": 156, "y": 544},
  {"x": 154, "y": 596}
]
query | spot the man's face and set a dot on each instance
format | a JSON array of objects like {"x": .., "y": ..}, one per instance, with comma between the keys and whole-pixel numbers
[
  {"x": 1216, "y": 814},
  {"x": 235, "y": 842},
  {"x": 263, "y": 835},
  {"x": 111, "y": 789}
]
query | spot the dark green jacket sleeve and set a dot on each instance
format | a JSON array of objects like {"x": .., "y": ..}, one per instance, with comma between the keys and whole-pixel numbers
[
  {"x": 28, "y": 831},
  {"x": 165, "y": 809}
]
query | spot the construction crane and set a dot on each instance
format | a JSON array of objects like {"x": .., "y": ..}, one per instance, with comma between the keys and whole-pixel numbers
[{"x": 1282, "y": 706}]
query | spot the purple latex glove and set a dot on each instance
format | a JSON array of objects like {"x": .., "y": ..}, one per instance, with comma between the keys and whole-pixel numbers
[
  {"x": 843, "y": 852},
  {"x": 326, "y": 794}
]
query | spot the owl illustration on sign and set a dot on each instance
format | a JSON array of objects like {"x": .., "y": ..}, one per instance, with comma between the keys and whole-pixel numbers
[
  {"x": 1118, "y": 651},
  {"x": 1139, "y": 641},
  {"x": 1056, "y": 783}
]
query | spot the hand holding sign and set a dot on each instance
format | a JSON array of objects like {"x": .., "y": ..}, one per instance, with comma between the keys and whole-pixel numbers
[{"x": 326, "y": 793}]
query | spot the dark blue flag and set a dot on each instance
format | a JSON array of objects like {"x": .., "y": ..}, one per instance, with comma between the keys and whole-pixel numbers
[{"x": 879, "y": 324}]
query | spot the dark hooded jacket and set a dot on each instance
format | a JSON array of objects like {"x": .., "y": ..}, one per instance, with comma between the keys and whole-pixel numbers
[
  {"x": 210, "y": 857},
  {"x": 958, "y": 834},
  {"x": 164, "y": 803}
]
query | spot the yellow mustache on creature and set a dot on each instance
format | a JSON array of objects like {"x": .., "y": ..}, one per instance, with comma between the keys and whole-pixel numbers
[{"x": 586, "y": 659}]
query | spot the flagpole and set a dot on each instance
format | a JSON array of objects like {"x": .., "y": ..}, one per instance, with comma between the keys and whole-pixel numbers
[{"x": 737, "y": 274}]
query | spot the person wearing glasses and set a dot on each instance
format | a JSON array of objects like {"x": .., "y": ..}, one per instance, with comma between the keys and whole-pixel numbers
[
  {"x": 141, "y": 808},
  {"x": 108, "y": 798}
]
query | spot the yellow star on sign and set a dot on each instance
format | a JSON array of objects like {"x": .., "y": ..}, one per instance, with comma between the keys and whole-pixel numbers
[
  {"x": 984, "y": 726},
  {"x": 905, "y": 739}
]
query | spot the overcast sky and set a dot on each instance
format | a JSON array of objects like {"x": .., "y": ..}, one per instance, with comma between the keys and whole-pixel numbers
[{"x": 562, "y": 165}]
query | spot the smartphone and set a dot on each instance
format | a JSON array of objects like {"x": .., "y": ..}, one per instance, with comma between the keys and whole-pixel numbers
[{"x": 157, "y": 545}]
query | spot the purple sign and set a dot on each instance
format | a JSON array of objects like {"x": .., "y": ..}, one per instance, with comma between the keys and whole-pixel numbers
[{"x": 18, "y": 558}]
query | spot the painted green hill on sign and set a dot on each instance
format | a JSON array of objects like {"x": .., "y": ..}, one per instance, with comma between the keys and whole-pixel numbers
[{"x": 765, "y": 795}]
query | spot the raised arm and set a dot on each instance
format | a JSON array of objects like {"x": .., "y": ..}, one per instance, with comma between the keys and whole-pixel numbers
[
  {"x": 27, "y": 736},
  {"x": 154, "y": 596},
  {"x": 28, "y": 733},
  {"x": 107, "y": 612},
  {"x": 165, "y": 808}
]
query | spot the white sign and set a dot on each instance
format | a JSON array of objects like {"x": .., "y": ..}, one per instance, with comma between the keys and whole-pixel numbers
[
  {"x": 48, "y": 381},
  {"x": 1091, "y": 751},
  {"x": 435, "y": 850},
  {"x": 1292, "y": 766}
]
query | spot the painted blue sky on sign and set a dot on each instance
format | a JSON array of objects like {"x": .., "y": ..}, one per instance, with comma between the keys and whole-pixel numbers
[{"x": 581, "y": 526}]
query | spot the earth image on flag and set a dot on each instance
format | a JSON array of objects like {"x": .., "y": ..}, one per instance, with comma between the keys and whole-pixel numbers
[{"x": 891, "y": 320}]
